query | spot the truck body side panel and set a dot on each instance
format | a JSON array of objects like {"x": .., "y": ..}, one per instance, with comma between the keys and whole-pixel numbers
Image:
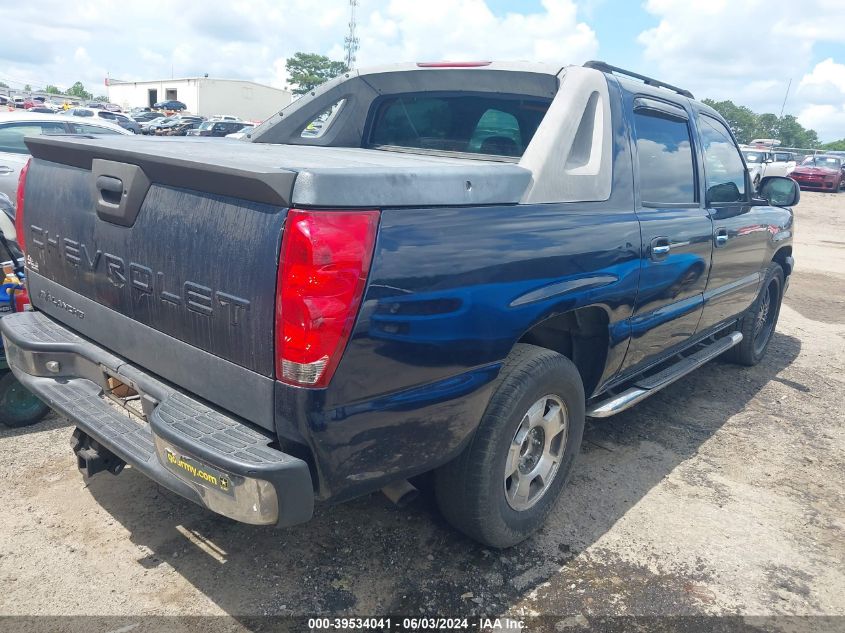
[{"x": 450, "y": 292}]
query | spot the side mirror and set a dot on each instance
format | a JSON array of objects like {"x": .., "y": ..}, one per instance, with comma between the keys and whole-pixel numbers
[{"x": 779, "y": 191}]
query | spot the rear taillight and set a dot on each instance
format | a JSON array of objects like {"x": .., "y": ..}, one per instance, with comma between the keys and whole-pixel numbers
[
  {"x": 19, "y": 222},
  {"x": 323, "y": 267}
]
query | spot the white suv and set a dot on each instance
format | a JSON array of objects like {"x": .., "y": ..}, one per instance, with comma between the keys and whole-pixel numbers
[{"x": 764, "y": 162}]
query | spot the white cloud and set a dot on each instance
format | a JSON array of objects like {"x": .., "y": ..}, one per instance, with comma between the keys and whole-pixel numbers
[
  {"x": 64, "y": 42},
  {"x": 747, "y": 52},
  {"x": 822, "y": 91},
  {"x": 409, "y": 30}
]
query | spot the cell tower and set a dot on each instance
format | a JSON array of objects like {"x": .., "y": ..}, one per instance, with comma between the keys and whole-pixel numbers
[{"x": 350, "y": 43}]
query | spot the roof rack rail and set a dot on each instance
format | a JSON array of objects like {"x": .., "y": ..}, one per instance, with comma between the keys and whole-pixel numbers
[{"x": 607, "y": 68}]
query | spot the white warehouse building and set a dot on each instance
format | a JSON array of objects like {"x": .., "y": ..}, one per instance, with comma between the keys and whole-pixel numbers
[{"x": 202, "y": 95}]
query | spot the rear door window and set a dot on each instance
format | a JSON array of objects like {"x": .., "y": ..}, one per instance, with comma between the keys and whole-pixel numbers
[
  {"x": 12, "y": 134},
  {"x": 493, "y": 125},
  {"x": 664, "y": 151}
]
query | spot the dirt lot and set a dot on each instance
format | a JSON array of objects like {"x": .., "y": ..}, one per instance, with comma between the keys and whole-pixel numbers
[{"x": 721, "y": 495}]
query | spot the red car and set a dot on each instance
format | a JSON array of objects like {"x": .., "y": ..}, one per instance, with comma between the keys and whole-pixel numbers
[{"x": 820, "y": 172}]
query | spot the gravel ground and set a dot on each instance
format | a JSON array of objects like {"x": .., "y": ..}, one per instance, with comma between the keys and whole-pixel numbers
[{"x": 722, "y": 495}]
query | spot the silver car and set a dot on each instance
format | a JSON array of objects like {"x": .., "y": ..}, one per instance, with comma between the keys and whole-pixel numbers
[{"x": 14, "y": 126}]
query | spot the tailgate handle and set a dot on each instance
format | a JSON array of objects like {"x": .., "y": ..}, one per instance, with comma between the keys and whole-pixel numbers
[
  {"x": 111, "y": 189},
  {"x": 119, "y": 191}
]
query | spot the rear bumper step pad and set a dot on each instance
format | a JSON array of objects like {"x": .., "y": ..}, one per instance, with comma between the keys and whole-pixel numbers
[{"x": 199, "y": 452}]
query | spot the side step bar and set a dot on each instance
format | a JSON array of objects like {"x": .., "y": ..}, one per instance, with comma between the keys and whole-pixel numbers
[{"x": 647, "y": 386}]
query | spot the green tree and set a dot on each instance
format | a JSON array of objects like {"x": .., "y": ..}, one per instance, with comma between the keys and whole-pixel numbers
[
  {"x": 768, "y": 126},
  {"x": 78, "y": 90},
  {"x": 306, "y": 71},
  {"x": 793, "y": 134},
  {"x": 51, "y": 89},
  {"x": 3, "y": 84},
  {"x": 747, "y": 125},
  {"x": 27, "y": 88},
  {"x": 741, "y": 120},
  {"x": 838, "y": 146},
  {"x": 102, "y": 98}
]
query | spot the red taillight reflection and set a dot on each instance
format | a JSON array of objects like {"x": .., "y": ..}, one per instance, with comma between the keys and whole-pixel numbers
[
  {"x": 323, "y": 267},
  {"x": 19, "y": 213}
]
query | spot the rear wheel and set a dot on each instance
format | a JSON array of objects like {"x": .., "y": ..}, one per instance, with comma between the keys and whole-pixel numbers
[
  {"x": 501, "y": 488},
  {"x": 19, "y": 406},
  {"x": 758, "y": 323}
]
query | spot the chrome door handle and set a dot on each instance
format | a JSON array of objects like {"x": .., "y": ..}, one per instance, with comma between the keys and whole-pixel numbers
[
  {"x": 660, "y": 247},
  {"x": 5, "y": 170},
  {"x": 721, "y": 237}
]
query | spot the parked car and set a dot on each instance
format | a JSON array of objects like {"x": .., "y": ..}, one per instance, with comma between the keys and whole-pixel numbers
[
  {"x": 427, "y": 286},
  {"x": 163, "y": 128},
  {"x": 112, "y": 107},
  {"x": 180, "y": 128},
  {"x": 216, "y": 128},
  {"x": 113, "y": 117},
  {"x": 823, "y": 172},
  {"x": 223, "y": 117},
  {"x": 145, "y": 117},
  {"x": 5, "y": 101},
  {"x": 762, "y": 163},
  {"x": 242, "y": 132},
  {"x": 171, "y": 105},
  {"x": 42, "y": 110},
  {"x": 150, "y": 127},
  {"x": 24, "y": 102},
  {"x": 14, "y": 126}
]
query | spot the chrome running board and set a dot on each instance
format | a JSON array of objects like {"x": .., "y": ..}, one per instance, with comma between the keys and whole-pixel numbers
[{"x": 648, "y": 385}]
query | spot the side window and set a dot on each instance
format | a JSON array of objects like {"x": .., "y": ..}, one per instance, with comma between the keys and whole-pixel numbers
[
  {"x": 725, "y": 173},
  {"x": 84, "y": 128},
  {"x": 12, "y": 134},
  {"x": 667, "y": 172},
  {"x": 321, "y": 123}
]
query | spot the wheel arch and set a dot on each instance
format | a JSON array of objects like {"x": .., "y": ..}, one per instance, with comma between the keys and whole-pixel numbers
[
  {"x": 582, "y": 335},
  {"x": 783, "y": 257}
]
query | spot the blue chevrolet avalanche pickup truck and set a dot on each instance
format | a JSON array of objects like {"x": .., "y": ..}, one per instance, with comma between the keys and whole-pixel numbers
[{"x": 429, "y": 267}]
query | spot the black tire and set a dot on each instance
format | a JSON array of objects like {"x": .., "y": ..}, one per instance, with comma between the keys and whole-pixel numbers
[
  {"x": 472, "y": 490},
  {"x": 756, "y": 336},
  {"x": 18, "y": 406}
]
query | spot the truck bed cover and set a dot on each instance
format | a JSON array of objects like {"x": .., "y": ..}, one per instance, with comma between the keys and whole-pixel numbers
[{"x": 290, "y": 175}]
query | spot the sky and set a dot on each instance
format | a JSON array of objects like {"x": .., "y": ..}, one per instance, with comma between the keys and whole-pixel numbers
[{"x": 743, "y": 50}]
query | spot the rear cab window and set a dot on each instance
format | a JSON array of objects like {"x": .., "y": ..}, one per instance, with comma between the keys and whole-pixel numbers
[{"x": 496, "y": 125}]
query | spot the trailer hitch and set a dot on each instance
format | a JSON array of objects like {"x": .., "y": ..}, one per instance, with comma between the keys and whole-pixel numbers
[{"x": 92, "y": 457}]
